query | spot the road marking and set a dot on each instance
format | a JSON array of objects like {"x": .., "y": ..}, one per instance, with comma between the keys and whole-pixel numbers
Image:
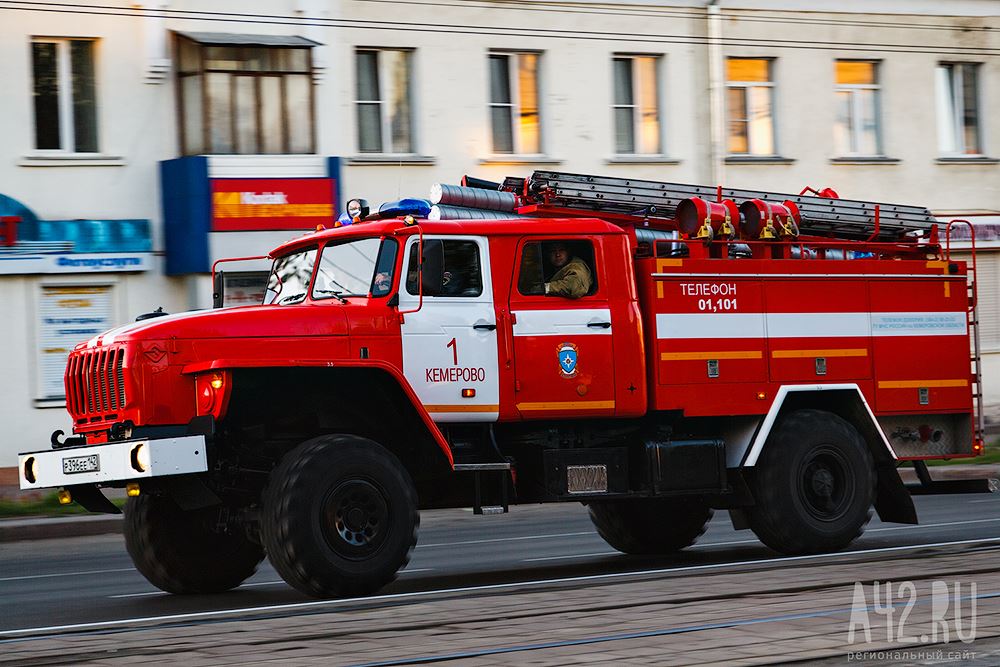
[
  {"x": 66, "y": 574},
  {"x": 316, "y": 604}
]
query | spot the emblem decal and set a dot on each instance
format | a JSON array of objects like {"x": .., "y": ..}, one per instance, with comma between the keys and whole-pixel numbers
[{"x": 567, "y": 359}]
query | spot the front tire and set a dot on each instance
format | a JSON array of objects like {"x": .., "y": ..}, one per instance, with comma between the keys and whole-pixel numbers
[
  {"x": 813, "y": 485},
  {"x": 650, "y": 525},
  {"x": 180, "y": 552},
  {"x": 340, "y": 517}
]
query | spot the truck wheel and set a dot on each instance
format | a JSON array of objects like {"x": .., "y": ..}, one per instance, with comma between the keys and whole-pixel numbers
[
  {"x": 649, "y": 525},
  {"x": 179, "y": 552},
  {"x": 813, "y": 485},
  {"x": 340, "y": 516}
]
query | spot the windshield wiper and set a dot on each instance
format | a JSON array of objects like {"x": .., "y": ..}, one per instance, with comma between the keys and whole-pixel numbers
[
  {"x": 336, "y": 294},
  {"x": 290, "y": 297}
]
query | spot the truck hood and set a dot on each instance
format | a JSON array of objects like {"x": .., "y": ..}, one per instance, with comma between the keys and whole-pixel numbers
[{"x": 243, "y": 322}]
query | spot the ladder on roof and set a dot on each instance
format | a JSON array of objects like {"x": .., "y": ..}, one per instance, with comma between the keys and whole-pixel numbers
[
  {"x": 821, "y": 216},
  {"x": 972, "y": 322}
]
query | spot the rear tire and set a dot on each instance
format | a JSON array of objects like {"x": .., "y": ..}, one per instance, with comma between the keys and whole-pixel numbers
[
  {"x": 340, "y": 516},
  {"x": 179, "y": 552},
  {"x": 649, "y": 525},
  {"x": 813, "y": 485}
]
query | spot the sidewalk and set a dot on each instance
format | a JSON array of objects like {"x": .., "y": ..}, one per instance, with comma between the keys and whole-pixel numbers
[{"x": 50, "y": 527}]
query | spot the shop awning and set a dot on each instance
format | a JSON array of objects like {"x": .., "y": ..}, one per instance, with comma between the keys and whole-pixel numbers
[{"x": 238, "y": 39}]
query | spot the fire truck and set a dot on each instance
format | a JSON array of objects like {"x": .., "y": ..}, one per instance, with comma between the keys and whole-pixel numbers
[{"x": 775, "y": 356}]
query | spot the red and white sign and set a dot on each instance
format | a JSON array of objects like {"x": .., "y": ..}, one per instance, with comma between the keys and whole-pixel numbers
[{"x": 261, "y": 204}]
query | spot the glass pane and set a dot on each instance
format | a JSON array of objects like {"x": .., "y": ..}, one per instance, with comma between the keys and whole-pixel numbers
[
  {"x": 298, "y": 107},
  {"x": 761, "y": 121},
  {"x": 748, "y": 69},
  {"x": 189, "y": 56},
  {"x": 868, "y": 128},
  {"x": 220, "y": 113},
  {"x": 84, "y": 96},
  {"x": 270, "y": 115},
  {"x": 736, "y": 112},
  {"x": 192, "y": 109},
  {"x": 46, "y": 94},
  {"x": 398, "y": 68},
  {"x": 292, "y": 60},
  {"x": 623, "y": 80},
  {"x": 246, "y": 115},
  {"x": 290, "y": 278},
  {"x": 842, "y": 143},
  {"x": 531, "y": 279},
  {"x": 384, "y": 269},
  {"x": 499, "y": 79},
  {"x": 346, "y": 269},
  {"x": 223, "y": 57},
  {"x": 261, "y": 59},
  {"x": 367, "y": 76},
  {"x": 649, "y": 114},
  {"x": 854, "y": 72},
  {"x": 624, "y": 130},
  {"x": 970, "y": 109},
  {"x": 946, "y": 108},
  {"x": 461, "y": 275},
  {"x": 369, "y": 128},
  {"x": 528, "y": 121},
  {"x": 503, "y": 138}
]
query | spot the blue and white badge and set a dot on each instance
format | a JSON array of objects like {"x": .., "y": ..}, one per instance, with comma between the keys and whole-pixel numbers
[{"x": 567, "y": 359}]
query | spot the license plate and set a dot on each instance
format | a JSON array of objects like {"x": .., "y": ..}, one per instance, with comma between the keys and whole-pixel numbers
[{"x": 81, "y": 464}]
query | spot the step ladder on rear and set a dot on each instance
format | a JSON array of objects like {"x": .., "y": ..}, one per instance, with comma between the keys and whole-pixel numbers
[{"x": 972, "y": 319}]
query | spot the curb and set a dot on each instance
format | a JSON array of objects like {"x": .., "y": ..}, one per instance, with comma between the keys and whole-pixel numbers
[{"x": 47, "y": 528}]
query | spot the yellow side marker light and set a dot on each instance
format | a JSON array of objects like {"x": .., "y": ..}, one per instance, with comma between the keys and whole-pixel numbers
[
  {"x": 65, "y": 497},
  {"x": 132, "y": 489},
  {"x": 761, "y": 396}
]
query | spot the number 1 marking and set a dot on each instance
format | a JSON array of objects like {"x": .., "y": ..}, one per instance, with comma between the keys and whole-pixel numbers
[{"x": 454, "y": 349}]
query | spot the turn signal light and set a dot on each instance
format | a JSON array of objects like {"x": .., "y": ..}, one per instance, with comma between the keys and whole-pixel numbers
[
  {"x": 132, "y": 489},
  {"x": 65, "y": 497},
  {"x": 761, "y": 396},
  {"x": 468, "y": 393},
  {"x": 212, "y": 393}
]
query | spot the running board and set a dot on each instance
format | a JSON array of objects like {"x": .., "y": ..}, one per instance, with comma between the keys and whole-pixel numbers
[
  {"x": 942, "y": 486},
  {"x": 478, "y": 469}
]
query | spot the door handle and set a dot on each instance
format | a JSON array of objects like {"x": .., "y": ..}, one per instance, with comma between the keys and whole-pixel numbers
[
  {"x": 599, "y": 325},
  {"x": 485, "y": 327}
]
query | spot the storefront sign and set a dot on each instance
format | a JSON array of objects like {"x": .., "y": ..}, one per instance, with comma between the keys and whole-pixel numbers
[
  {"x": 260, "y": 204},
  {"x": 17, "y": 264}
]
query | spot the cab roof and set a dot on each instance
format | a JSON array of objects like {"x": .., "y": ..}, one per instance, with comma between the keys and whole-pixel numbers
[{"x": 396, "y": 227}]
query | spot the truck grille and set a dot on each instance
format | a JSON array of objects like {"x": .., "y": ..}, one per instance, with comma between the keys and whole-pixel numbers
[{"x": 95, "y": 384}]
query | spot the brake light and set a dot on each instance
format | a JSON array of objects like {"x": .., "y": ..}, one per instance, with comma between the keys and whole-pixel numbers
[{"x": 212, "y": 393}]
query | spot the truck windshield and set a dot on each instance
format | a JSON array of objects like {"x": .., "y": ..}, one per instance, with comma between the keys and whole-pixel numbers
[
  {"x": 356, "y": 268},
  {"x": 289, "y": 281}
]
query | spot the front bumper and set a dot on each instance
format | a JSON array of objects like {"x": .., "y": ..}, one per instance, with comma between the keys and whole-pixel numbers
[{"x": 116, "y": 462}]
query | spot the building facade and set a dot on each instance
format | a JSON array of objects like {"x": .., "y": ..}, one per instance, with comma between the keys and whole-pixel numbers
[{"x": 130, "y": 128}]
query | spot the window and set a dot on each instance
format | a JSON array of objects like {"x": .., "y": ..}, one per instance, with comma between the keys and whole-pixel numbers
[
  {"x": 637, "y": 104},
  {"x": 290, "y": 278},
  {"x": 514, "y": 115},
  {"x": 450, "y": 268},
  {"x": 542, "y": 261},
  {"x": 958, "y": 108},
  {"x": 856, "y": 128},
  {"x": 356, "y": 268},
  {"x": 750, "y": 106},
  {"x": 245, "y": 99},
  {"x": 385, "y": 123},
  {"x": 65, "y": 95}
]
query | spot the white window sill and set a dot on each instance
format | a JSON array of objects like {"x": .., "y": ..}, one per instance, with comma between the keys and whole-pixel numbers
[
  {"x": 865, "y": 159},
  {"x": 50, "y": 402},
  {"x": 515, "y": 158},
  {"x": 639, "y": 158},
  {"x": 967, "y": 159},
  {"x": 70, "y": 160},
  {"x": 407, "y": 159},
  {"x": 758, "y": 159}
]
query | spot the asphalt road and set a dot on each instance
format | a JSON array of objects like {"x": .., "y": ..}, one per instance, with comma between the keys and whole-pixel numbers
[{"x": 55, "y": 583}]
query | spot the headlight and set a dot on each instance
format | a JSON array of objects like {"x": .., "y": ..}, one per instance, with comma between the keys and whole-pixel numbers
[{"x": 140, "y": 457}]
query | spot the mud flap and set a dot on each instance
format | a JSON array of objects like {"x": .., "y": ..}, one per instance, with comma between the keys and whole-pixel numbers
[
  {"x": 892, "y": 501},
  {"x": 91, "y": 499}
]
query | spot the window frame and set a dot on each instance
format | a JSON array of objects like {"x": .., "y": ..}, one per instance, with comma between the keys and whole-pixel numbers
[
  {"x": 202, "y": 70},
  {"x": 744, "y": 87},
  {"x": 382, "y": 79},
  {"x": 65, "y": 96},
  {"x": 592, "y": 262},
  {"x": 410, "y": 262},
  {"x": 855, "y": 105},
  {"x": 638, "y": 101},
  {"x": 957, "y": 109},
  {"x": 514, "y": 92}
]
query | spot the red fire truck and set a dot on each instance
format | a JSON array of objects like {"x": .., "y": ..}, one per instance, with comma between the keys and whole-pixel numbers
[{"x": 776, "y": 356}]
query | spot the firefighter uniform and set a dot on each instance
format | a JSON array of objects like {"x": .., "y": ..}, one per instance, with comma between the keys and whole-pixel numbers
[{"x": 572, "y": 280}]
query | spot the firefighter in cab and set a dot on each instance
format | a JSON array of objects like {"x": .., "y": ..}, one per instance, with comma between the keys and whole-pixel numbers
[{"x": 572, "y": 277}]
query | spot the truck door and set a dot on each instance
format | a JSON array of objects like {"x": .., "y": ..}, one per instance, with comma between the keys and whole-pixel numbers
[
  {"x": 450, "y": 343},
  {"x": 563, "y": 358}
]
